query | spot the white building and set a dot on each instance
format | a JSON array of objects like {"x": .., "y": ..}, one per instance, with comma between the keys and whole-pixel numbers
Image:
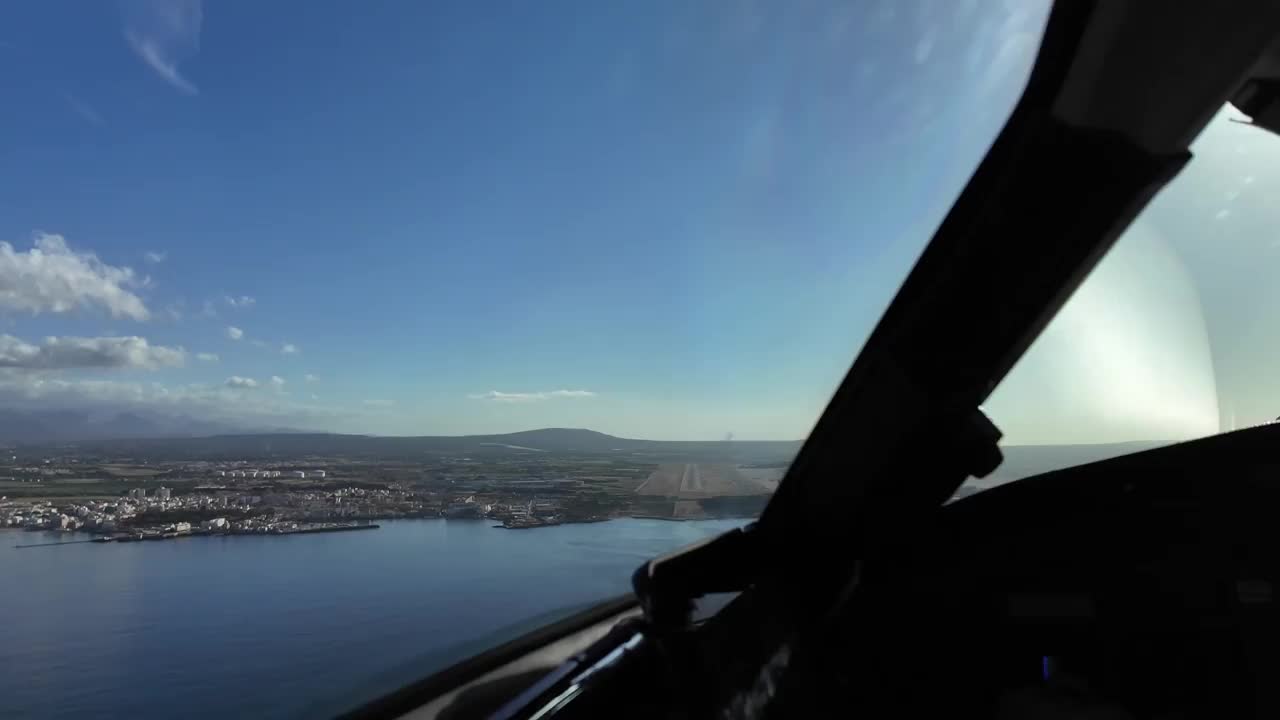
[
  {"x": 163, "y": 493},
  {"x": 318, "y": 473},
  {"x": 138, "y": 493},
  {"x": 299, "y": 474},
  {"x": 215, "y": 524}
]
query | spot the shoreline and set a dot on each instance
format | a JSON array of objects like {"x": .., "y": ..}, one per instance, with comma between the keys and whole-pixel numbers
[
  {"x": 153, "y": 535},
  {"x": 664, "y": 518}
]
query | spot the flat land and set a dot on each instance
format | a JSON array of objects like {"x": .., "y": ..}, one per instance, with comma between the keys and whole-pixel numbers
[
  {"x": 131, "y": 471},
  {"x": 768, "y": 477}
]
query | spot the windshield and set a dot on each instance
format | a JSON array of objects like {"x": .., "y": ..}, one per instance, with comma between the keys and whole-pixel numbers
[
  {"x": 339, "y": 343},
  {"x": 1168, "y": 339}
]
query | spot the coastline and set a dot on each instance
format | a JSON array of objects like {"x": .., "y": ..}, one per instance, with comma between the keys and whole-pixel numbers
[
  {"x": 153, "y": 536},
  {"x": 367, "y": 523},
  {"x": 664, "y": 518}
]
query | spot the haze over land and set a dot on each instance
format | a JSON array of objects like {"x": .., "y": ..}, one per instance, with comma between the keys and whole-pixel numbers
[
  {"x": 185, "y": 438},
  {"x": 532, "y": 442}
]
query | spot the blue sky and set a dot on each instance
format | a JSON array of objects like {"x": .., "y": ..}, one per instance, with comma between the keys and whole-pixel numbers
[{"x": 656, "y": 219}]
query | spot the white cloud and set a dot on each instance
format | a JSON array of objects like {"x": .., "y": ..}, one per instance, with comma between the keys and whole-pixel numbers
[
  {"x": 60, "y": 353},
  {"x": 924, "y": 46},
  {"x": 207, "y": 357},
  {"x": 311, "y": 378},
  {"x": 277, "y": 381},
  {"x": 152, "y": 54},
  {"x": 289, "y": 349},
  {"x": 241, "y": 383},
  {"x": 571, "y": 394},
  {"x": 233, "y": 405},
  {"x": 379, "y": 403},
  {"x": 155, "y": 258},
  {"x": 315, "y": 396},
  {"x": 82, "y": 109},
  {"x": 162, "y": 33},
  {"x": 51, "y": 277},
  {"x": 209, "y": 310},
  {"x": 234, "y": 332},
  {"x": 244, "y": 301},
  {"x": 498, "y": 396}
]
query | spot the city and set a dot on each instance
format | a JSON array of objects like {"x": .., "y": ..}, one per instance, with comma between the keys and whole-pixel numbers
[{"x": 122, "y": 493}]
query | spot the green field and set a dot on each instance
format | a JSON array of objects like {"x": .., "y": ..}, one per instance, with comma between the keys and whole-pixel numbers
[
  {"x": 81, "y": 488},
  {"x": 131, "y": 471}
]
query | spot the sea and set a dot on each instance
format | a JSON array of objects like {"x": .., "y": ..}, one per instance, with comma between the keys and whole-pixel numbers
[{"x": 293, "y": 626}]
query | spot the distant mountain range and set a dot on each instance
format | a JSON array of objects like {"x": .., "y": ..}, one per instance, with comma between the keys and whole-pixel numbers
[
  {"x": 60, "y": 426},
  {"x": 184, "y": 438},
  {"x": 548, "y": 440}
]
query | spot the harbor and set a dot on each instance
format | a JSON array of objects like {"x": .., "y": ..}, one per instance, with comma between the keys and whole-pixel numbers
[
  {"x": 300, "y": 529},
  {"x": 151, "y": 535}
]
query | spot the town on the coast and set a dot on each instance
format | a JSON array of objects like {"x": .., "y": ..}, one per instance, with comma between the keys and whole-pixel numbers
[{"x": 283, "y": 485}]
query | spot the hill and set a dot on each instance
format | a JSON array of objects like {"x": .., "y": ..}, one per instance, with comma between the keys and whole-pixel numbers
[
  {"x": 141, "y": 438},
  {"x": 563, "y": 441}
]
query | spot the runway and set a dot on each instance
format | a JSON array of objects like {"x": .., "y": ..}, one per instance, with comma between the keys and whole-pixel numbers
[{"x": 699, "y": 480}]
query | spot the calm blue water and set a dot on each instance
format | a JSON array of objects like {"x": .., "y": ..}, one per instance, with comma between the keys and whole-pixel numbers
[{"x": 292, "y": 626}]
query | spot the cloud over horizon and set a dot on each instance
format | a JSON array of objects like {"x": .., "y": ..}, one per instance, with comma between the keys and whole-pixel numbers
[
  {"x": 51, "y": 277},
  {"x": 240, "y": 383},
  {"x": 517, "y": 397},
  {"x": 28, "y": 391},
  {"x": 63, "y": 353}
]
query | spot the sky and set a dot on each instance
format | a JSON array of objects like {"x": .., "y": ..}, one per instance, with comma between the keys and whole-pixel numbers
[
  {"x": 1172, "y": 336},
  {"x": 657, "y": 219}
]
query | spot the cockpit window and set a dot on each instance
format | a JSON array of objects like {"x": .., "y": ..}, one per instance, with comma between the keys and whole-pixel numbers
[
  {"x": 523, "y": 292},
  {"x": 1171, "y": 337}
]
